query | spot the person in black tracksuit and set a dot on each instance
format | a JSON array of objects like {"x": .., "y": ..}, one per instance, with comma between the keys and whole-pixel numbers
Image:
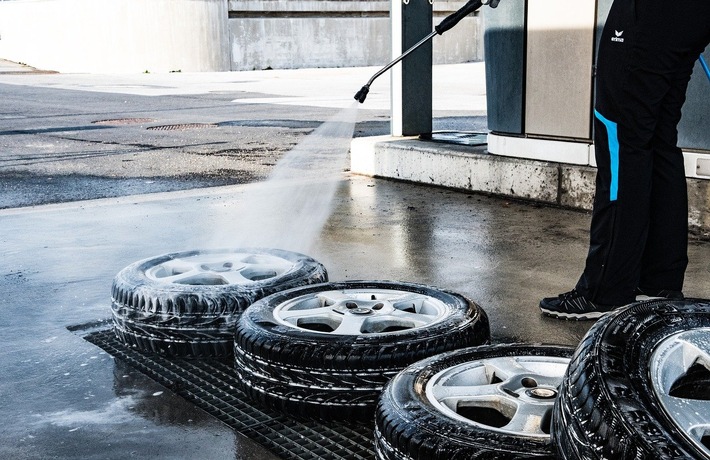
[{"x": 639, "y": 230}]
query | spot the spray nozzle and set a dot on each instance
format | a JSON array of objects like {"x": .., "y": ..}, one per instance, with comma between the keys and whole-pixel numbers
[{"x": 362, "y": 94}]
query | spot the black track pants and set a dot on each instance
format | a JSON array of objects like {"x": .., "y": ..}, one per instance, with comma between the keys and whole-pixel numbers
[{"x": 639, "y": 230}]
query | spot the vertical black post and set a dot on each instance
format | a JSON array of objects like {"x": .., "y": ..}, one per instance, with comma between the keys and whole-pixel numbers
[{"x": 412, "y": 78}]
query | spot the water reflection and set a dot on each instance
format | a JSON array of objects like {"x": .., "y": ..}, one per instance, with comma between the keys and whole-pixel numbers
[{"x": 152, "y": 401}]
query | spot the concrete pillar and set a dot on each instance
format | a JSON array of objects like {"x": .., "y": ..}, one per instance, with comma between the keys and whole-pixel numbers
[{"x": 412, "y": 78}]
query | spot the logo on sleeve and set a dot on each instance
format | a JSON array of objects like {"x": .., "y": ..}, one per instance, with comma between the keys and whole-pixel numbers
[{"x": 618, "y": 36}]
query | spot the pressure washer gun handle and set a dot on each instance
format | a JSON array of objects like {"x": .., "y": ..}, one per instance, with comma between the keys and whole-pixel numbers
[{"x": 454, "y": 18}]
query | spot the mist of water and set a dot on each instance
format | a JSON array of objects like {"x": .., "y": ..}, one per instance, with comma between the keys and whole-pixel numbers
[{"x": 289, "y": 209}]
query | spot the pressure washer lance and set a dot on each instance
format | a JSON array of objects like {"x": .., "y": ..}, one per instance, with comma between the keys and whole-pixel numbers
[{"x": 448, "y": 22}]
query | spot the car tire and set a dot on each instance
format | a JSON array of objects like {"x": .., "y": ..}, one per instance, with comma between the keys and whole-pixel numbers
[
  {"x": 488, "y": 402},
  {"x": 325, "y": 351},
  {"x": 637, "y": 387},
  {"x": 186, "y": 304}
]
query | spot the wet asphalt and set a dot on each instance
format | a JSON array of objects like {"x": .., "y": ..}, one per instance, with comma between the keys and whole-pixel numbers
[{"x": 80, "y": 200}]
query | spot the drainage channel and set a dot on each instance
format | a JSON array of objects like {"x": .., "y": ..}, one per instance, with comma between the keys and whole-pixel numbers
[{"x": 206, "y": 383}]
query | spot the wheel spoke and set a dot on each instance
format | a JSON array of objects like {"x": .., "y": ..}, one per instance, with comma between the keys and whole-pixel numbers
[
  {"x": 233, "y": 277},
  {"x": 268, "y": 267},
  {"x": 417, "y": 318},
  {"x": 175, "y": 267},
  {"x": 407, "y": 297},
  {"x": 688, "y": 414},
  {"x": 453, "y": 394},
  {"x": 180, "y": 278},
  {"x": 528, "y": 418},
  {"x": 309, "y": 313},
  {"x": 678, "y": 369},
  {"x": 333, "y": 297},
  {"x": 180, "y": 265},
  {"x": 506, "y": 368},
  {"x": 407, "y": 300},
  {"x": 695, "y": 348},
  {"x": 351, "y": 325}
]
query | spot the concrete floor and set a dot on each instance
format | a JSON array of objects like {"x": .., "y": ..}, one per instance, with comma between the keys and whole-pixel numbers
[{"x": 62, "y": 397}]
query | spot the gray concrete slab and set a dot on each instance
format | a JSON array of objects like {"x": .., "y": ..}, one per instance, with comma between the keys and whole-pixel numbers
[
  {"x": 64, "y": 398},
  {"x": 71, "y": 137}
]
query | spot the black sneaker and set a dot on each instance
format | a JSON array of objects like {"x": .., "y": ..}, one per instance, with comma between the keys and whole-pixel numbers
[
  {"x": 573, "y": 306},
  {"x": 650, "y": 294}
]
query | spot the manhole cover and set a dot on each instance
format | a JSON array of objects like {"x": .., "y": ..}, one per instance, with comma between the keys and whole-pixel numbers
[
  {"x": 182, "y": 126},
  {"x": 124, "y": 121},
  {"x": 209, "y": 384}
]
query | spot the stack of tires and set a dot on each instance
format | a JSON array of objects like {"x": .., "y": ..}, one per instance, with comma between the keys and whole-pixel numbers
[
  {"x": 186, "y": 304},
  {"x": 419, "y": 361},
  {"x": 300, "y": 344},
  {"x": 637, "y": 387},
  {"x": 327, "y": 350}
]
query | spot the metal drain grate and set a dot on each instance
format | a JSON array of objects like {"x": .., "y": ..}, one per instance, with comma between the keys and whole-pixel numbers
[
  {"x": 182, "y": 126},
  {"x": 458, "y": 137},
  {"x": 206, "y": 383},
  {"x": 123, "y": 121}
]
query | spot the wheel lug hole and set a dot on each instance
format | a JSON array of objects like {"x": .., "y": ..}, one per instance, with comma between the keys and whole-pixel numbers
[{"x": 529, "y": 382}]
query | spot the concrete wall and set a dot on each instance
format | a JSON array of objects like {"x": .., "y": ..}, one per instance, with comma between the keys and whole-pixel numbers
[
  {"x": 109, "y": 36},
  {"x": 115, "y": 36},
  {"x": 333, "y": 33}
]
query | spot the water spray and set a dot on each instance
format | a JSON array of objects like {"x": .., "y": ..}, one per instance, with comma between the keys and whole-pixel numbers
[{"x": 448, "y": 22}]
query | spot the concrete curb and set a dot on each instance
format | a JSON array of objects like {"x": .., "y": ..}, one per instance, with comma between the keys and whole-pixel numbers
[{"x": 474, "y": 169}]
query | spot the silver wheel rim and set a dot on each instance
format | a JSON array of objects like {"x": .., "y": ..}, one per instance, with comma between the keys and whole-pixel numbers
[
  {"x": 361, "y": 311},
  {"x": 510, "y": 395},
  {"x": 227, "y": 268},
  {"x": 671, "y": 360}
]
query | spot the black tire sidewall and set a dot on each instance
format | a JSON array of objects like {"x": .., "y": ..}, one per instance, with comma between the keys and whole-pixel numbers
[
  {"x": 137, "y": 293},
  {"x": 651, "y": 324},
  {"x": 189, "y": 320},
  {"x": 337, "y": 376},
  {"x": 464, "y": 322},
  {"x": 612, "y": 367},
  {"x": 409, "y": 426}
]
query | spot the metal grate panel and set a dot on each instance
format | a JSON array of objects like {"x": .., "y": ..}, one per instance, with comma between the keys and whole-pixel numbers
[
  {"x": 458, "y": 137},
  {"x": 123, "y": 121},
  {"x": 207, "y": 384},
  {"x": 182, "y": 126}
]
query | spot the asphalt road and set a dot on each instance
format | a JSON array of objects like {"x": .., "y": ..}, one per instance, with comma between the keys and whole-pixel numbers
[
  {"x": 77, "y": 137},
  {"x": 61, "y": 145}
]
